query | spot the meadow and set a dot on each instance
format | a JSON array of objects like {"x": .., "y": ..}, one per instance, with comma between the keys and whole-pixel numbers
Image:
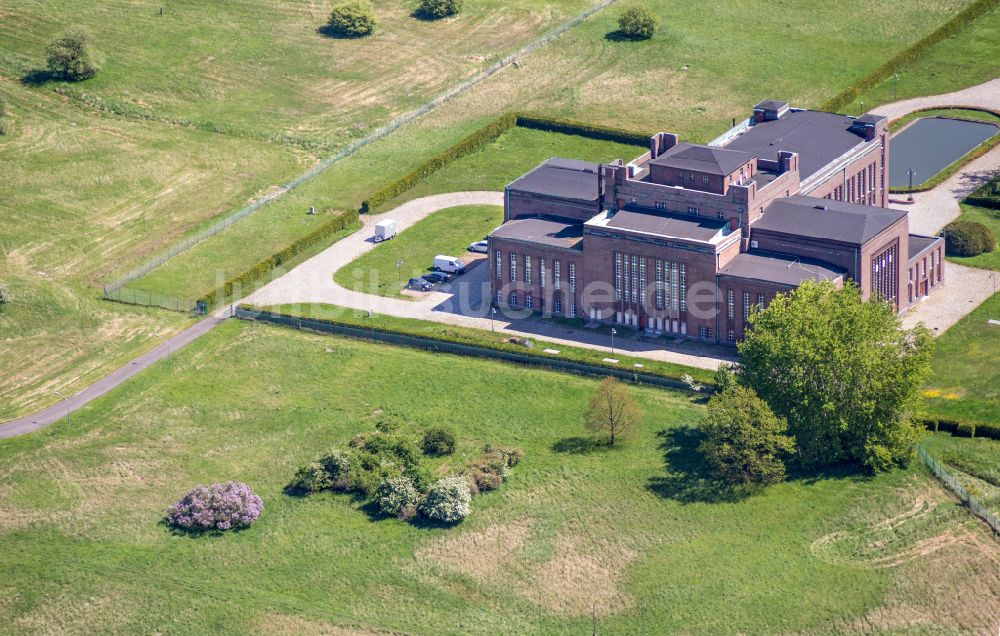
[
  {"x": 635, "y": 538},
  {"x": 964, "y": 382},
  {"x": 974, "y": 462}
]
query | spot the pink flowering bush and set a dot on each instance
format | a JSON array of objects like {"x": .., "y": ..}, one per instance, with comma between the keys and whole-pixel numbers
[{"x": 217, "y": 507}]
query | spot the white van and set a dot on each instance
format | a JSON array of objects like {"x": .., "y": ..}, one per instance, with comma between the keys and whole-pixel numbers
[
  {"x": 448, "y": 264},
  {"x": 385, "y": 230}
]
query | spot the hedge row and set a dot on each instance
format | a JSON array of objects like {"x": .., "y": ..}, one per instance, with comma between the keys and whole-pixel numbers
[
  {"x": 263, "y": 268},
  {"x": 959, "y": 21},
  {"x": 986, "y": 195},
  {"x": 959, "y": 428},
  {"x": 488, "y": 134}
]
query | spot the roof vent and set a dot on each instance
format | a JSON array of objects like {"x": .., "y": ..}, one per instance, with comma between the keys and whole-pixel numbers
[{"x": 820, "y": 207}]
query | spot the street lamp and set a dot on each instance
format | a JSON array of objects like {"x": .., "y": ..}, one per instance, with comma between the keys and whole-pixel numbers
[
  {"x": 493, "y": 313},
  {"x": 399, "y": 263},
  {"x": 613, "y": 332},
  {"x": 895, "y": 84},
  {"x": 911, "y": 172}
]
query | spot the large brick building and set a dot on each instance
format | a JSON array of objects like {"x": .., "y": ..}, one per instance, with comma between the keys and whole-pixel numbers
[{"x": 687, "y": 238}]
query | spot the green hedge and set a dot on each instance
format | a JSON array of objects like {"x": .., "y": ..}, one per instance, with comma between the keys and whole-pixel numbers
[
  {"x": 488, "y": 134},
  {"x": 266, "y": 266},
  {"x": 959, "y": 428},
  {"x": 986, "y": 195},
  {"x": 592, "y": 131},
  {"x": 959, "y": 21}
]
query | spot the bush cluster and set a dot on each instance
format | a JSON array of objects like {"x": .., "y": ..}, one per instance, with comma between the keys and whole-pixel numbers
[
  {"x": 957, "y": 22},
  {"x": 965, "y": 429},
  {"x": 437, "y": 9},
  {"x": 397, "y": 496},
  {"x": 448, "y": 500},
  {"x": 225, "y": 506},
  {"x": 986, "y": 195},
  {"x": 439, "y": 440},
  {"x": 266, "y": 266},
  {"x": 352, "y": 19},
  {"x": 490, "y": 470},
  {"x": 590, "y": 131},
  {"x": 638, "y": 22},
  {"x": 968, "y": 238}
]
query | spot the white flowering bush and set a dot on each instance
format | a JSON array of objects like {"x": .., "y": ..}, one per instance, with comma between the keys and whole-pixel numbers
[
  {"x": 448, "y": 500},
  {"x": 396, "y": 494}
]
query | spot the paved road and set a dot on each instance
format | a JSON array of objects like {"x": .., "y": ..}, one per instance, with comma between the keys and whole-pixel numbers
[{"x": 62, "y": 409}]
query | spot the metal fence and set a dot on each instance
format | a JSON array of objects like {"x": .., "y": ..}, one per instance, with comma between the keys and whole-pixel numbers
[
  {"x": 131, "y": 296},
  {"x": 445, "y": 346},
  {"x": 351, "y": 149},
  {"x": 976, "y": 506}
]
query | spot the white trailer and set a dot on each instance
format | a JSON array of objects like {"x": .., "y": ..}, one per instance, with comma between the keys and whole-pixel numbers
[{"x": 385, "y": 230}]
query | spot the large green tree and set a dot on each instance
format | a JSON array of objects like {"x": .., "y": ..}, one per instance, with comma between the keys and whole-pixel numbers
[
  {"x": 843, "y": 373},
  {"x": 745, "y": 442},
  {"x": 71, "y": 56}
]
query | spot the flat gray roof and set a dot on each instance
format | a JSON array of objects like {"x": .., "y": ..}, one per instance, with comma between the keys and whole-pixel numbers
[
  {"x": 544, "y": 230},
  {"x": 664, "y": 224},
  {"x": 826, "y": 219},
  {"x": 918, "y": 244},
  {"x": 564, "y": 178},
  {"x": 779, "y": 268},
  {"x": 707, "y": 159},
  {"x": 817, "y": 137}
]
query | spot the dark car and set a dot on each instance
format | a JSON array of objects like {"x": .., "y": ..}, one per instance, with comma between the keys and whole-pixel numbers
[
  {"x": 420, "y": 284},
  {"x": 436, "y": 277}
]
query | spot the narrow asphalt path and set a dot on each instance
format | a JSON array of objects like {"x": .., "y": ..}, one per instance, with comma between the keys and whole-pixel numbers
[{"x": 931, "y": 211}]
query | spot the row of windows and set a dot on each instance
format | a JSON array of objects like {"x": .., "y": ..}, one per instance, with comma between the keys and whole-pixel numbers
[
  {"x": 670, "y": 284},
  {"x": 859, "y": 188},
  {"x": 885, "y": 274},
  {"x": 691, "y": 209},
  {"x": 529, "y": 303},
  {"x": 529, "y": 270}
]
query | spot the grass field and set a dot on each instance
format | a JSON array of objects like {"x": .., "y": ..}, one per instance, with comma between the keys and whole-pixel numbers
[
  {"x": 448, "y": 231},
  {"x": 483, "y": 338},
  {"x": 974, "y": 462},
  {"x": 634, "y": 536},
  {"x": 991, "y": 219},
  {"x": 964, "y": 383}
]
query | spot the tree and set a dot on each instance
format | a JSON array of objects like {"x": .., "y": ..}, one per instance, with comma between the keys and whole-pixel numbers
[
  {"x": 638, "y": 22},
  {"x": 438, "y": 441},
  {"x": 437, "y": 9},
  {"x": 744, "y": 440},
  {"x": 71, "y": 57},
  {"x": 612, "y": 410},
  {"x": 968, "y": 238},
  {"x": 842, "y": 372},
  {"x": 352, "y": 19}
]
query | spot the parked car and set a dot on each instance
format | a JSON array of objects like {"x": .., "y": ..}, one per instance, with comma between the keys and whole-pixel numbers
[
  {"x": 436, "y": 277},
  {"x": 385, "y": 230},
  {"x": 479, "y": 246},
  {"x": 448, "y": 264},
  {"x": 420, "y": 284}
]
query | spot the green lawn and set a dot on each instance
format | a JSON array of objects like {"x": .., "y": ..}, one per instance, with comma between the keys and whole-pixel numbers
[
  {"x": 632, "y": 536},
  {"x": 974, "y": 462},
  {"x": 448, "y": 231},
  {"x": 991, "y": 219},
  {"x": 484, "y": 338},
  {"x": 964, "y": 384}
]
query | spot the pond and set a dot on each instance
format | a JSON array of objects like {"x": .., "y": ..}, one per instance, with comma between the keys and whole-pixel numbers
[{"x": 930, "y": 145}]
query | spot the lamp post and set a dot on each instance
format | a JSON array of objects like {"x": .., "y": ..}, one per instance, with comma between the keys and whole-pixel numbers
[
  {"x": 493, "y": 314},
  {"x": 895, "y": 84},
  {"x": 613, "y": 332},
  {"x": 911, "y": 172},
  {"x": 399, "y": 263}
]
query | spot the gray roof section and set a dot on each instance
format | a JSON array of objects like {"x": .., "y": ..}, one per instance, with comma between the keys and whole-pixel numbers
[
  {"x": 544, "y": 230},
  {"x": 827, "y": 219},
  {"x": 666, "y": 225},
  {"x": 562, "y": 178},
  {"x": 771, "y": 104},
  {"x": 779, "y": 268},
  {"x": 918, "y": 244},
  {"x": 707, "y": 159},
  {"x": 871, "y": 118},
  {"x": 817, "y": 137}
]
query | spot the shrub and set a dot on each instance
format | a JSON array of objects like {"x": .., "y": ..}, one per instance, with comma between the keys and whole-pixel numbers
[
  {"x": 638, "y": 22},
  {"x": 437, "y": 9},
  {"x": 71, "y": 57},
  {"x": 368, "y": 475},
  {"x": 968, "y": 238},
  {"x": 311, "y": 477},
  {"x": 448, "y": 500},
  {"x": 991, "y": 431},
  {"x": 4, "y": 296},
  {"x": 387, "y": 423},
  {"x": 396, "y": 493},
  {"x": 439, "y": 441},
  {"x": 352, "y": 19},
  {"x": 217, "y": 507},
  {"x": 590, "y": 131},
  {"x": 511, "y": 455},
  {"x": 337, "y": 465},
  {"x": 481, "y": 480}
]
